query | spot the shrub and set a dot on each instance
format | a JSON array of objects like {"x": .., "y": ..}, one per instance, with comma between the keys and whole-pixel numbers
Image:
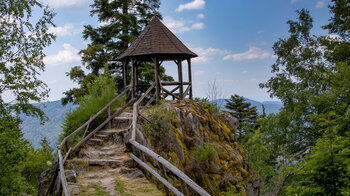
[
  {"x": 205, "y": 152},
  {"x": 100, "y": 93}
]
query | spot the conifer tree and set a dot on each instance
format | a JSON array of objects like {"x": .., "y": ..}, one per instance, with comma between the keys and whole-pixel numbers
[
  {"x": 245, "y": 113},
  {"x": 120, "y": 22}
]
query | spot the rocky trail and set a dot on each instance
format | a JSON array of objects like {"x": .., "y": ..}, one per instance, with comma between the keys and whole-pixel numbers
[{"x": 103, "y": 165}]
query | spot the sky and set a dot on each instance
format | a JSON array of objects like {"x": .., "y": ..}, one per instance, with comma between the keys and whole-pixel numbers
[{"x": 233, "y": 39}]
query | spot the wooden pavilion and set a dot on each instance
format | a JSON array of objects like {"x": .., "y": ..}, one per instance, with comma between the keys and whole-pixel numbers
[{"x": 157, "y": 44}]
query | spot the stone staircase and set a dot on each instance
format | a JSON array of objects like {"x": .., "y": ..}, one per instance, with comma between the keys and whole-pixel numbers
[{"x": 103, "y": 165}]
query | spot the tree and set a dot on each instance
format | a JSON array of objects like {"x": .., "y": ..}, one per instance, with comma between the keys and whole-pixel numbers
[
  {"x": 121, "y": 21},
  {"x": 22, "y": 40},
  {"x": 313, "y": 81},
  {"x": 21, "y": 55},
  {"x": 246, "y": 115}
]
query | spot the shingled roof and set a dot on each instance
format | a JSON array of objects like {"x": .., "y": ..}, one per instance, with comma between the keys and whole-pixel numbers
[{"x": 156, "y": 39}]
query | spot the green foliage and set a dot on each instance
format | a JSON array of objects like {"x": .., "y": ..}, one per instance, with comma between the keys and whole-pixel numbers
[
  {"x": 13, "y": 150},
  {"x": 22, "y": 40},
  {"x": 100, "y": 93},
  {"x": 259, "y": 155},
  {"x": 311, "y": 133},
  {"x": 205, "y": 152},
  {"x": 211, "y": 106},
  {"x": 326, "y": 169},
  {"x": 246, "y": 115},
  {"x": 36, "y": 162}
]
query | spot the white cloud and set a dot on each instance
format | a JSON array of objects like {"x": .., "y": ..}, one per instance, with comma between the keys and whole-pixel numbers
[
  {"x": 194, "y": 5},
  {"x": 319, "y": 4},
  {"x": 63, "y": 57},
  {"x": 292, "y": 1},
  {"x": 203, "y": 54},
  {"x": 244, "y": 72},
  {"x": 66, "y": 30},
  {"x": 199, "y": 73},
  {"x": 251, "y": 54},
  {"x": 253, "y": 80},
  {"x": 180, "y": 26},
  {"x": 67, "y": 3},
  {"x": 200, "y": 16}
]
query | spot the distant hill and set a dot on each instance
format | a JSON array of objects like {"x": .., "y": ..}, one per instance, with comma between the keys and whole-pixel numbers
[
  {"x": 271, "y": 107},
  {"x": 56, "y": 113},
  {"x": 34, "y": 131}
]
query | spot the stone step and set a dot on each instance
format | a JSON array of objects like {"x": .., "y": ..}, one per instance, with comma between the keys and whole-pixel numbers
[
  {"x": 112, "y": 131},
  {"x": 113, "y": 163},
  {"x": 121, "y": 122},
  {"x": 94, "y": 142},
  {"x": 126, "y": 114},
  {"x": 94, "y": 154},
  {"x": 103, "y": 137}
]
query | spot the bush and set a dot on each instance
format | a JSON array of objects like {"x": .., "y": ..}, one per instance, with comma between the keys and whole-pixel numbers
[
  {"x": 100, "y": 93},
  {"x": 205, "y": 152},
  {"x": 211, "y": 106}
]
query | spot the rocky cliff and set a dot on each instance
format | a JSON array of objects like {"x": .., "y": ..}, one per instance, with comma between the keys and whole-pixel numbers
[{"x": 201, "y": 144}]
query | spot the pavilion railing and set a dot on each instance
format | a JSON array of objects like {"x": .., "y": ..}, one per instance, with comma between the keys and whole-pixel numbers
[{"x": 59, "y": 170}]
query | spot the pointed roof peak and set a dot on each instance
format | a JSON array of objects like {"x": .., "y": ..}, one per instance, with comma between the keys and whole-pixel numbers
[{"x": 156, "y": 39}]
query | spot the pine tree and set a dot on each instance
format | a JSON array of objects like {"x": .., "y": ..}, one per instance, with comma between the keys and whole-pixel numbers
[
  {"x": 245, "y": 113},
  {"x": 120, "y": 22}
]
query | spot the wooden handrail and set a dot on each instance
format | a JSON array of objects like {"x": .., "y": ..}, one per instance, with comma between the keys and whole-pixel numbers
[
  {"x": 171, "y": 167},
  {"x": 94, "y": 116},
  {"x": 61, "y": 161},
  {"x": 136, "y": 110},
  {"x": 156, "y": 175},
  {"x": 62, "y": 175},
  {"x": 157, "y": 157}
]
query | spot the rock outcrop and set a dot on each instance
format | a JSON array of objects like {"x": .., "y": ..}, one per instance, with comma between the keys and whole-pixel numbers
[{"x": 201, "y": 144}]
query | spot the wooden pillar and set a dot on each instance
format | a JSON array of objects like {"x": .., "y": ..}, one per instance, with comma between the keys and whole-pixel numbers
[
  {"x": 179, "y": 68},
  {"x": 133, "y": 77},
  {"x": 156, "y": 75},
  {"x": 136, "y": 77},
  {"x": 125, "y": 73},
  {"x": 190, "y": 76}
]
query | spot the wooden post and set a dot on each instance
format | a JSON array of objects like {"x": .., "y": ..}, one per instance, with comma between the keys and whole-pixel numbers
[
  {"x": 156, "y": 74},
  {"x": 137, "y": 77},
  {"x": 109, "y": 115},
  {"x": 125, "y": 73},
  {"x": 190, "y": 76},
  {"x": 133, "y": 76},
  {"x": 179, "y": 68}
]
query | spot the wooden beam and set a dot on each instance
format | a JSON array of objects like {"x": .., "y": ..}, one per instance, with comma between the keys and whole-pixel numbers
[
  {"x": 133, "y": 76},
  {"x": 125, "y": 73},
  {"x": 156, "y": 175},
  {"x": 170, "y": 93},
  {"x": 179, "y": 68},
  {"x": 190, "y": 76},
  {"x": 62, "y": 176},
  {"x": 171, "y": 167},
  {"x": 156, "y": 74}
]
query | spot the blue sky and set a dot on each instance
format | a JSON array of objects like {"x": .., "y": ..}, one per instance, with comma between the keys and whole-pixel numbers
[{"x": 233, "y": 39}]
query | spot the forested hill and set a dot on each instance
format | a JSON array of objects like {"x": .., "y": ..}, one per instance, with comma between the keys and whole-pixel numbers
[{"x": 34, "y": 131}]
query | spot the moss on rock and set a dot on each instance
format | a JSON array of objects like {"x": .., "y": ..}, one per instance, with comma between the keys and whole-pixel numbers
[{"x": 200, "y": 144}]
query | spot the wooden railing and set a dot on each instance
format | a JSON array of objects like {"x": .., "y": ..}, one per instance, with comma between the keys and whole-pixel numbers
[
  {"x": 59, "y": 170},
  {"x": 157, "y": 157}
]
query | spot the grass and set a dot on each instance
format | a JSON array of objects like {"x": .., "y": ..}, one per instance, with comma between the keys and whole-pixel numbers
[
  {"x": 138, "y": 186},
  {"x": 93, "y": 190}
]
